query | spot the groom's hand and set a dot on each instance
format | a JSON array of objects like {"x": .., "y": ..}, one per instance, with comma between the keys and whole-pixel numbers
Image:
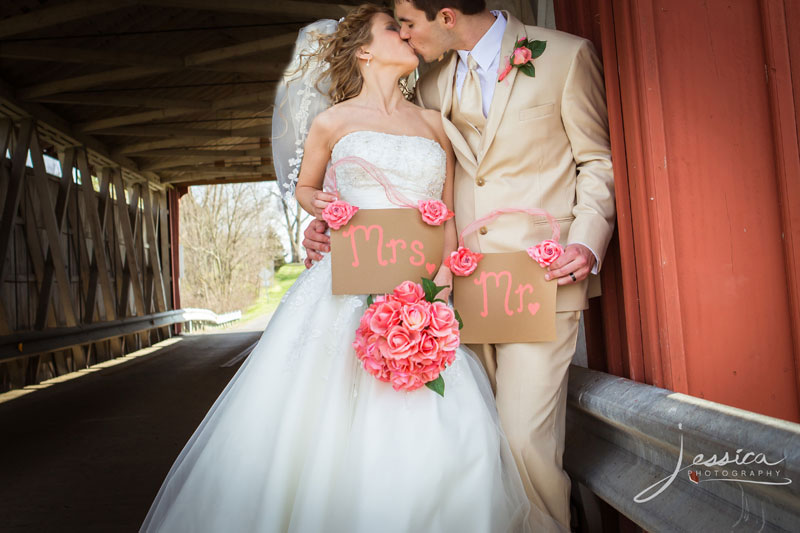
[
  {"x": 316, "y": 241},
  {"x": 576, "y": 259}
]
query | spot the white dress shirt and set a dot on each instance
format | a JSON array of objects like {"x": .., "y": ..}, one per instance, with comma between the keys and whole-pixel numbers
[{"x": 487, "y": 54}]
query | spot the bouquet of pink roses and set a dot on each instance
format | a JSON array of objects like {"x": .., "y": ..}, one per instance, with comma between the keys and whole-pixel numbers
[{"x": 408, "y": 338}]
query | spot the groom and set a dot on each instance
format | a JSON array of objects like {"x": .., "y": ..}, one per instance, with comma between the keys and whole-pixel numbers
[{"x": 526, "y": 141}]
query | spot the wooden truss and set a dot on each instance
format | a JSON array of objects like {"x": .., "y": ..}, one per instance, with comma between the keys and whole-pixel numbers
[{"x": 87, "y": 247}]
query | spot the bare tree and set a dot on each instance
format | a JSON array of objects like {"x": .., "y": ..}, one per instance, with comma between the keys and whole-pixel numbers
[
  {"x": 294, "y": 219},
  {"x": 228, "y": 237}
]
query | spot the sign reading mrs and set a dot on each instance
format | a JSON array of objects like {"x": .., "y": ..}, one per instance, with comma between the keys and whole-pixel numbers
[
  {"x": 381, "y": 248},
  {"x": 374, "y": 250}
]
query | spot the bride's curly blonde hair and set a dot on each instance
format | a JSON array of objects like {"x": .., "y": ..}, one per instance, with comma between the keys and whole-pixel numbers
[{"x": 339, "y": 51}]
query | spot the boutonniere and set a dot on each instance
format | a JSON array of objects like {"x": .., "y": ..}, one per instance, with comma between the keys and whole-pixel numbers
[{"x": 525, "y": 51}]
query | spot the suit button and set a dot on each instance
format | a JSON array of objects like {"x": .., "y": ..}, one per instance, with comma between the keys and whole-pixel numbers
[
  {"x": 480, "y": 182},
  {"x": 483, "y": 230}
]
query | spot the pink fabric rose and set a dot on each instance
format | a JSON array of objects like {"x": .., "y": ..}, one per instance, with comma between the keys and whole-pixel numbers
[
  {"x": 463, "y": 261},
  {"x": 546, "y": 252},
  {"x": 428, "y": 347},
  {"x": 443, "y": 319},
  {"x": 384, "y": 317},
  {"x": 434, "y": 212},
  {"x": 409, "y": 292},
  {"x": 403, "y": 342},
  {"x": 415, "y": 316},
  {"x": 338, "y": 213},
  {"x": 521, "y": 56}
]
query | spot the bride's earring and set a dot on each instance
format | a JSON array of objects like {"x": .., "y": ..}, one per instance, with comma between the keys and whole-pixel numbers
[{"x": 368, "y": 60}]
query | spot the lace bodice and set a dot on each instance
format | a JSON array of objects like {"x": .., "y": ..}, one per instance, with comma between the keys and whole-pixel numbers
[{"x": 415, "y": 165}]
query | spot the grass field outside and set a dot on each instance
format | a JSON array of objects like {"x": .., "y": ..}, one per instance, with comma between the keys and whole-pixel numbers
[{"x": 268, "y": 302}]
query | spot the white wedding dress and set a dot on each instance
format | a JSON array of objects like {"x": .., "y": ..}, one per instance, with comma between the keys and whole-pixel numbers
[{"x": 303, "y": 439}]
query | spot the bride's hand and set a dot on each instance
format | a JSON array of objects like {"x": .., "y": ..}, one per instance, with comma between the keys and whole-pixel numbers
[
  {"x": 444, "y": 278},
  {"x": 320, "y": 200}
]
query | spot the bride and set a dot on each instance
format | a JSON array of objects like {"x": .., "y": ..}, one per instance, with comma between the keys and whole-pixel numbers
[{"x": 303, "y": 438}]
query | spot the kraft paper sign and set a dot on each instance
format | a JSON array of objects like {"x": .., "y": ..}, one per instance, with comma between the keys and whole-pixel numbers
[
  {"x": 381, "y": 248},
  {"x": 506, "y": 299}
]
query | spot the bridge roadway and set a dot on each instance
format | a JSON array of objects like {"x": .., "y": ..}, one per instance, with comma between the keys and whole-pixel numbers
[{"x": 89, "y": 454}]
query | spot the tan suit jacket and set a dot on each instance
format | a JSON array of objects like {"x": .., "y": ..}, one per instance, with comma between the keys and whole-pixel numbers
[{"x": 545, "y": 145}]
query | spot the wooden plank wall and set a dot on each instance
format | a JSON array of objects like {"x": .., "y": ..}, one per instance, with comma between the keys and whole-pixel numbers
[{"x": 72, "y": 253}]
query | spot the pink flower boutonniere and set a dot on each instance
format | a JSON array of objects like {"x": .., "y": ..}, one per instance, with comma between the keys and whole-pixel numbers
[{"x": 522, "y": 57}]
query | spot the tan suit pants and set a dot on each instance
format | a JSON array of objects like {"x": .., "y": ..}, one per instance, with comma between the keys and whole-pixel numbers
[{"x": 530, "y": 384}]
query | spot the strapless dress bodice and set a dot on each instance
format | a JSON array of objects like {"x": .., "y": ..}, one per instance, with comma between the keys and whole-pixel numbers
[{"x": 415, "y": 166}]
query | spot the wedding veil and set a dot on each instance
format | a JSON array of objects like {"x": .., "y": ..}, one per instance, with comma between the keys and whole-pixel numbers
[{"x": 297, "y": 102}]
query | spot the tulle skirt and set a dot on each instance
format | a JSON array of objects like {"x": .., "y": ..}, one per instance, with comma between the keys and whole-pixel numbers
[{"x": 303, "y": 439}]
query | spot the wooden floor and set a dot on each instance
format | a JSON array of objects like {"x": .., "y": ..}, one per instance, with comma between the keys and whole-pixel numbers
[{"x": 90, "y": 454}]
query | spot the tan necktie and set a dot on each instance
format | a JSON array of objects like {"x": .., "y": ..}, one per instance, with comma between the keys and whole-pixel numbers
[{"x": 471, "y": 102}]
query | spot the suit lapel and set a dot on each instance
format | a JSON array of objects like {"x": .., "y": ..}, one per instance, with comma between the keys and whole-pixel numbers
[
  {"x": 446, "y": 81},
  {"x": 515, "y": 30}
]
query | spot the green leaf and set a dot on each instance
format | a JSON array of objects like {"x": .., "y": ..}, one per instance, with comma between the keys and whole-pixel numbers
[
  {"x": 370, "y": 300},
  {"x": 437, "y": 385},
  {"x": 528, "y": 69},
  {"x": 458, "y": 317},
  {"x": 537, "y": 48},
  {"x": 431, "y": 289}
]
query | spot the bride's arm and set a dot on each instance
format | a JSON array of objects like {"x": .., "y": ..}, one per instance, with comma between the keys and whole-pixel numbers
[{"x": 316, "y": 154}]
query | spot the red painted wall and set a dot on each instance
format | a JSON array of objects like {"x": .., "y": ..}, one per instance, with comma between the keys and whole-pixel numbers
[{"x": 703, "y": 298}]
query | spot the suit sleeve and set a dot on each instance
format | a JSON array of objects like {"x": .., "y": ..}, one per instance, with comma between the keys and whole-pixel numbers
[{"x": 585, "y": 117}]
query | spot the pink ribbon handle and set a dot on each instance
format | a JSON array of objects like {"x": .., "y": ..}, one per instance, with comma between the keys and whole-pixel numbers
[
  {"x": 392, "y": 194},
  {"x": 497, "y": 212}
]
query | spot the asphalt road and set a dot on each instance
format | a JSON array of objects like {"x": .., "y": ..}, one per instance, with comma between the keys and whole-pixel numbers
[{"x": 90, "y": 454}]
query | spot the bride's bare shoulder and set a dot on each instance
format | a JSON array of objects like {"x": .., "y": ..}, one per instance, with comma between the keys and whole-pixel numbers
[{"x": 433, "y": 119}]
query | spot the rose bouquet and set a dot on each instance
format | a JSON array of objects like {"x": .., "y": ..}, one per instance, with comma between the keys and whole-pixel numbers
[{"x": 408, "y": 338}]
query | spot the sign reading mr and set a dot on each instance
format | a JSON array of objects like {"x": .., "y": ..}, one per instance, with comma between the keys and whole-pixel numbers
[{"x": 503, "y": 297}]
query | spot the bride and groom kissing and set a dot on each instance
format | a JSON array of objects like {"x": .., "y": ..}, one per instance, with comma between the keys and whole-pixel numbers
[{"x": 302, "y": 438}]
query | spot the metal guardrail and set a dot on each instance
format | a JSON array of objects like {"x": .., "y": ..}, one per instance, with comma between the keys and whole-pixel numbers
[
  {"x": 36, "y": 342},
  {"x": 658, "y": 457}
]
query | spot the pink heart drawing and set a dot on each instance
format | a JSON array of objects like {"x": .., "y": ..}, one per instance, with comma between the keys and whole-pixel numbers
[
  {"x": 534, "y": 308},
  {"x": 430, "y": 267}
]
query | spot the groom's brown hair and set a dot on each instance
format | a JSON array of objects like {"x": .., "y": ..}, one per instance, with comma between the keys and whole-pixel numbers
[{"x": 432, "y": 7}]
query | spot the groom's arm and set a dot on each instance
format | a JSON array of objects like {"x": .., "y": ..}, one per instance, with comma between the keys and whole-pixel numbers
[{"x": 585, "y": 118}]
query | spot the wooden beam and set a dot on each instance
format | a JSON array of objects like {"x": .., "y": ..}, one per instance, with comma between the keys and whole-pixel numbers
[
  {"x": 212, "y": 170},
  {"x": 223, "y": 180},
  {"x": 123, "y": 217},
  {"x": 62, "y": 54},
  {"x": 240, "y": 50},
  {"x": 188, "y": 161},
  {"x": 134, "y": 149},
  {"x": 46, "y": 17},
  {"x": 62, "y": 202},
  {"x": 149, "y": 116},
  {"x": 136, "y": 118},
  {"x": 288, "y": 8},
  {"x": 219, "y": 177},
  {"x": 56, "y": 252},
  {"x": 216, "y": 154},
  {"x": 163, "y": 131},
  {"x": 89, "y": 80},
  {"x": 155, "y": 263},
  {"x": 99, "y": 262},
  {"x": 14, "y": 191},
  {"x": 140, "y": 101}
]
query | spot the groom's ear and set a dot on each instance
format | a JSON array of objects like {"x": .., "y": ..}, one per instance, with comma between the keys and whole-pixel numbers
[{"x": 447, "y": 17}]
